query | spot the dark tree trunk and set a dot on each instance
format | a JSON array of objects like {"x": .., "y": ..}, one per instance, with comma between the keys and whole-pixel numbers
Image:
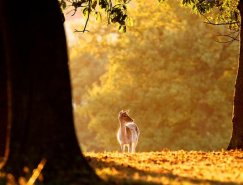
[
  {"x": 236, "y": 141},
  {"x": 3, "y": 102},
  {"x": 36, "y": 67},
  {"x": 4, "y": 98}
]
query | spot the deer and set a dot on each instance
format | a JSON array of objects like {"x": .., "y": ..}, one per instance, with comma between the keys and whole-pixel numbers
[{"x": 128, "y": 132}]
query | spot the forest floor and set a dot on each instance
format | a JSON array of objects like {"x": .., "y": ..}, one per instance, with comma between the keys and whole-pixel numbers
[{"x": 169, "y": 167}]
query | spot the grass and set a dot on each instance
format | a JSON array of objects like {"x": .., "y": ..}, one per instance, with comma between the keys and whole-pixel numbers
[{"x": 169, "y": 167}]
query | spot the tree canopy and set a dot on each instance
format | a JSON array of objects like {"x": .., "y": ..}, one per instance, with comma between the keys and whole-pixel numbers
[
  {"x": 172, "y": 75},
  {"x": 218, "y": 12},
  {"x": 114, "y": 11}
]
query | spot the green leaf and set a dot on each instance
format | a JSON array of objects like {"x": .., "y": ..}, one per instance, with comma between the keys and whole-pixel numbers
[
  {"x": 98, "y": 16},
  {"x": 129, "y": 21},
  {"x": 63, "y": 4},
  {"x": 94, "y": 3},
  {"x": 104, "y": 4},
  {"x": 122, "y": 29},
  {"x": 86, "y": 12}
]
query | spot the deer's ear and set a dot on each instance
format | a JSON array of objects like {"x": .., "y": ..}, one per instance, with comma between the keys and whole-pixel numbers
[{"x": 121, "y": 111}]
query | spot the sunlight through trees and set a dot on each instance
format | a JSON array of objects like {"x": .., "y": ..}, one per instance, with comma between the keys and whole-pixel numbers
[{"x": 172, "y": 75}]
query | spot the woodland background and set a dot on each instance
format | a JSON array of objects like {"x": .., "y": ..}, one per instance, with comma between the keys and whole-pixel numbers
[{"x": 168, "y": 70}]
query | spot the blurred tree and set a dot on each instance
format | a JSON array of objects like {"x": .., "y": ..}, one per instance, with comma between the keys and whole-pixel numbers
[
  {"x": 88, "y": 61},
  {"x": 173, "y": 81},
  {"x": 216, "y": 13},
  {"x": 229, "y": 13},
  {"x": 36, "y": 94}
]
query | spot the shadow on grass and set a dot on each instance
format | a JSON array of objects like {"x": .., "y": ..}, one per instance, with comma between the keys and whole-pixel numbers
[{"x": 130, "y": 172}]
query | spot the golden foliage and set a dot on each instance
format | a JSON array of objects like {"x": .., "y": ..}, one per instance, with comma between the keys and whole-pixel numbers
[
  {"x": 167, "y": 69},
  {"x": 169, "y": 167}
]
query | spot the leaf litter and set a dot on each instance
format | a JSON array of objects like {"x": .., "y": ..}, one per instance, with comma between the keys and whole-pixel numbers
[{"x": 169, "y": 167}]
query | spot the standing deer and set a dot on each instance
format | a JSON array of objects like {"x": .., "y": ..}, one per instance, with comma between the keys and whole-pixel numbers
[{"x": 128, "y": 132}]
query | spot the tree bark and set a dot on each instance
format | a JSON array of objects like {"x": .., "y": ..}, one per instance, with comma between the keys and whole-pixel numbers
[
  {"x": 236, "y": 141},
  {"x": 42, "y": 122},
  {"x": 5, "y": 101}
]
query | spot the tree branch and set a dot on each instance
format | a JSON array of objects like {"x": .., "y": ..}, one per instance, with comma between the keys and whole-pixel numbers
[
  {"x": 232, "y": 38},
  {"x": 219, "y": 24},
  {"x": 87, "y": 20}
]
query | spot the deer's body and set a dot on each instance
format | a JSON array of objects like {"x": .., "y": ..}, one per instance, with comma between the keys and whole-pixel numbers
[{"x": 128, "y": 133}]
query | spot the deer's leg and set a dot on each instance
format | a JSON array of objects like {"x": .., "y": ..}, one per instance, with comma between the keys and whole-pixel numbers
[
  {"x": 129, "y": 147},
  {"x": 132, "y": 151},
  {"x": 123, "y": 148},
  {"x": 133, "y": 147}
]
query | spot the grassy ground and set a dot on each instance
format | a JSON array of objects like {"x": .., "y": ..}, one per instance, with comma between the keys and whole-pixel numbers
[{"x": 170, "y": 167}]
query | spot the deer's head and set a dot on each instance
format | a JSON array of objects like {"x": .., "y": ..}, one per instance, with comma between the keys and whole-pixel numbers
[{"x": 123, "y": 117}]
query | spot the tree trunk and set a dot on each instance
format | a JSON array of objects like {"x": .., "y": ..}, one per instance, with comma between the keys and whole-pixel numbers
[
  {"x": 4, "y": 98},
  {"x": 236, "y": 141},
  {"x": 42, "y": 122}
]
